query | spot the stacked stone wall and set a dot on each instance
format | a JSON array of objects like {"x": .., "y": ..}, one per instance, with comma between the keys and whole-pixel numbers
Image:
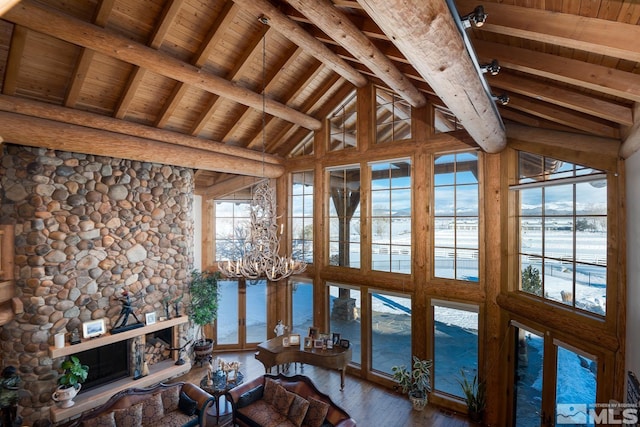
[{"x": 87, "y": 227}]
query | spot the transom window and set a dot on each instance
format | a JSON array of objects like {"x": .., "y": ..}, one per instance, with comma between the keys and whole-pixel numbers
[
  {"x": 562, "y": 219},
  {"x": 393, "y": 117},
  {"x": 343, "y": 125},
  {"x": 456, "y": 216},
  {"x": 231, "y": 219},
  {"x": 391, "y": 216}
]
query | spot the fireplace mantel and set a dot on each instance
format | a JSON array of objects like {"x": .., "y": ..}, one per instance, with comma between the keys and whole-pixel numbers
[{"x": 108, "y": 338}]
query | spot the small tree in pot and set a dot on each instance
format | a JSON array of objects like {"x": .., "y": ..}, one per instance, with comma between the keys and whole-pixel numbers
[
  {"x": 475, "y": 396},
  {"x": 203, "y": 309},
  {"x": 416, "y": 382}
]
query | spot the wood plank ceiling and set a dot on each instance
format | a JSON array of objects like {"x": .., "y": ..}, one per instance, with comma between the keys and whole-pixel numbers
[{"x": 191, "y": 73}]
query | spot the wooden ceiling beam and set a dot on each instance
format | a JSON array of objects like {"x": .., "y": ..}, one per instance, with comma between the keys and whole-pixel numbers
[
  {"x": 427, "y": 35},
  {"x": 337, "y": 25},
  {"x": 631, "y": 135},
  {"x": 6, "y": 5},
  {"x": 229, "y": 186},
  {"x": 600, "y": 36},
  {"x": 563, "y": 97},
  {"x": 602, "y": 79},
  {"x": 48, "y": 21},
  {"x": 292, "y": 31},
  {"x": 16, "y": 53},
  {"x": 564, "y": 116},
  {"x": 96, "y": 121},
  {"x": 519, "y": 117},
  {"x": 36, "y": 132}
]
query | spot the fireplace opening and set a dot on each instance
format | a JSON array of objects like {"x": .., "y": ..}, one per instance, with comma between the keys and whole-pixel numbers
[{"x": 107, "y": 363}]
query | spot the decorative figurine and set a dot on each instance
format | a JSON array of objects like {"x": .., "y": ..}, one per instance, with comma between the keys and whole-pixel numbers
[
  {"x": 127, "y": 310},
  {"x": 75, "y": 336},
  {"x": 280, "y": 329}
]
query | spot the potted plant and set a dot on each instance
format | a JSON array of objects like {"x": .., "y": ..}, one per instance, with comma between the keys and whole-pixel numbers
[
  {"x": 474, "y": 395},
  {"x": 416, "y": 382},
  {"x": 203, "y": 309},
  {"x": 70, "y": 382}
]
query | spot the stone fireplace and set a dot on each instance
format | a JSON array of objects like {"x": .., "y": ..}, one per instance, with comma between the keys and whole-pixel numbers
[{"x": 87, "y": 227}]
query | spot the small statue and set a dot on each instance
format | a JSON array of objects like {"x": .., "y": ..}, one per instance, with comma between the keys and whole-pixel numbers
[
  {"x": 280, "y": 329},
  {"x": 75, "y": 336},
  {"x": 9, "y": 396},
  {"x": 126, "y": 311}
]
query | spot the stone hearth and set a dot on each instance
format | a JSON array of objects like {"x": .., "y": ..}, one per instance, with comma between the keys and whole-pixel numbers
[{"x": 86, "y": 228}]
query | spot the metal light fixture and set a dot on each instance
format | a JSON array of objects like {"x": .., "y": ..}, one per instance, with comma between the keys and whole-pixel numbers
[
  {"x": 492, "y": 68},
  {"x": 475, "y": 18},
  {"x": 260, "y": 251}
]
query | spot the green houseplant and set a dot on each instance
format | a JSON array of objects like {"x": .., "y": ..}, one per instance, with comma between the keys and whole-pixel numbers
[
  {"x": 203, "y": 309},
  {"x": 73, "y": 375},
  {"x": 474, "y": 395},
  {"x": 415, "y": 382}
]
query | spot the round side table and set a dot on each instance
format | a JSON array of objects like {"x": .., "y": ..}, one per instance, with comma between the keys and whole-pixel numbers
[{"x": 218, "y": 389}]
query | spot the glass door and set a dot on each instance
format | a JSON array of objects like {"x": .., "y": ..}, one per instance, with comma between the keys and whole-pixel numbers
[
  {"x": 242, "y": 314},
  {"x": 528, "y": 378}
]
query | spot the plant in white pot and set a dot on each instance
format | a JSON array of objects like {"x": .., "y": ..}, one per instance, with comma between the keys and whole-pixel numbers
[
  {"x": 203, "y": 309},
  {"x": 70, "y": 382},
  {"x": 415, "y": 382}
]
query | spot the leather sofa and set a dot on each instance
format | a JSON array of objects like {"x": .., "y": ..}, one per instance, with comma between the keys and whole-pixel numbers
[
  {"x": 167, "y": 405},
  {"x": 285, "y": 401}
]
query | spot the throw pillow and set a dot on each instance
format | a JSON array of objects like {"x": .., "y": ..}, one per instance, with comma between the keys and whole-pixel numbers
[
  {"x": 104, "y": 420},
  {"x": 152, "y": 409},
  {"x": 187, "y": 405},
  {"x": 282, "y": 400},
  {"x": 269, "y": 390},
  {"x": 298, "y": 409},
  {"x": 129, "y": 417},
  {"x": 316, "y": 413},
  {"x": 170, "y": 399},
  {"x": 248, "y": 397}
]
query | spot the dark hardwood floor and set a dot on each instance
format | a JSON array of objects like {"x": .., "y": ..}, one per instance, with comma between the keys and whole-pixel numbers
[{"x": 369, "y": 404}]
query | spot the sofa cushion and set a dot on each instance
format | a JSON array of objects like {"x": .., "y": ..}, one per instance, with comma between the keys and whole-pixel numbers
[
  {"x": 174, "y": 419},
  {"x": 186, "y": 404},
  {"x": 129, "y": 417},
  {"x": 282, "y": 400},
  {"x": 316, "y": 413},
  {"x": 263, "y": 414},
  {"x": 248, "y": 397},
  {"x": 269, "y": 390},
  {"x": 170, "y": 399},
  {"x": 104, "y": 420},
  {"x": 298, "y": 409},
  {"x": 152, "y": 409}
]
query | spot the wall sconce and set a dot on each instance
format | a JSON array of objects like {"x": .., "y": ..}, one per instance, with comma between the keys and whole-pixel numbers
[
  {"x": 492, "y": 68},
  {"x": 501, "y": 99},
  {"x": 475, "y": 18}
]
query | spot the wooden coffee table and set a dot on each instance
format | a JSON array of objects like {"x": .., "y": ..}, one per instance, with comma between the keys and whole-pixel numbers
[{"x": 218, "y": 389}]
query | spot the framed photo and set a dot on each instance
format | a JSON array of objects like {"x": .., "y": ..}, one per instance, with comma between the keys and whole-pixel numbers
[
  {"x": 313, "y": 332},
  {"x": 318, "y": 343},
  {"x": 93, "y": 328},
  {"x": 344, "y": 343},
  {"x": 150, "y": 318},
  {"x": 307, "y": 342},
  {"x": 285, "y": 341},
  {"x": 335, "y": 338},
  {"x": 294, "y": 339},
  {"x": 329, "y": 345}
]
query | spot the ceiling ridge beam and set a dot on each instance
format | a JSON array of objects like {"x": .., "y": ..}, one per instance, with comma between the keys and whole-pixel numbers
[
  {"x": 48, "y": 21},
  {"x": 418, "y": 28},
  {"x": 296, "y": 34},
  {"x": 337, "y": 25},
  {"x": 572, "y": 71},
  {"x": 96, "y": 121},
  {"x": 610, "y": 38}
]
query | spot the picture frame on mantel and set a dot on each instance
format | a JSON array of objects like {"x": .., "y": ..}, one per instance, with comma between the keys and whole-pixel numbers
[
  {"x": 150, "y": 318},
  {"x": 94, "y": 328}
]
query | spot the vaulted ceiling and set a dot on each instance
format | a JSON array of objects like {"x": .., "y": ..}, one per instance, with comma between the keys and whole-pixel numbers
[{"x": 161, "y": 79}]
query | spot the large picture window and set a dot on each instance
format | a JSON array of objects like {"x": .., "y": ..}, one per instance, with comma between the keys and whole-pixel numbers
[
  {"x": 344, "y": 216},
  {"x": 562, "y": 219},
  {"x": 391, "y": 216},
  {"x": 301, "y": 210},
  {"x": 390, "y": 330},
  {"x": 346, "y": 311},
  {"x": 231, "y": 219},
  {"x": 456, "y": 216}
]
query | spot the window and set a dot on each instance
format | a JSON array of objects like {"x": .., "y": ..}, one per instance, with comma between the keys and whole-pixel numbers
[
  {"x": 390, "y": 331},
  {"x": 343, "y": 124},
  {"x": 393, "y": 117},
  {"x": 302, "y": 307},
  {"x": 301, "y": 210},
  {"x": 231, "y": 219},
  {"x": 444, "y": 121},
  {"x": 344, "y": 216},
  {"x": 456, "y": 216},
  {"x": 391, "y": 216},
  {"x": 562, "y": 221},
  {"x": 305, "y": 147},
  {"x": 455, "y": 345},
  {"x": 344, "y": 303}
]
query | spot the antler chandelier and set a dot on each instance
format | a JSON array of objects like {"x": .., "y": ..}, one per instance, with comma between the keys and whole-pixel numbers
[{"x": 261, "y": 247}]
